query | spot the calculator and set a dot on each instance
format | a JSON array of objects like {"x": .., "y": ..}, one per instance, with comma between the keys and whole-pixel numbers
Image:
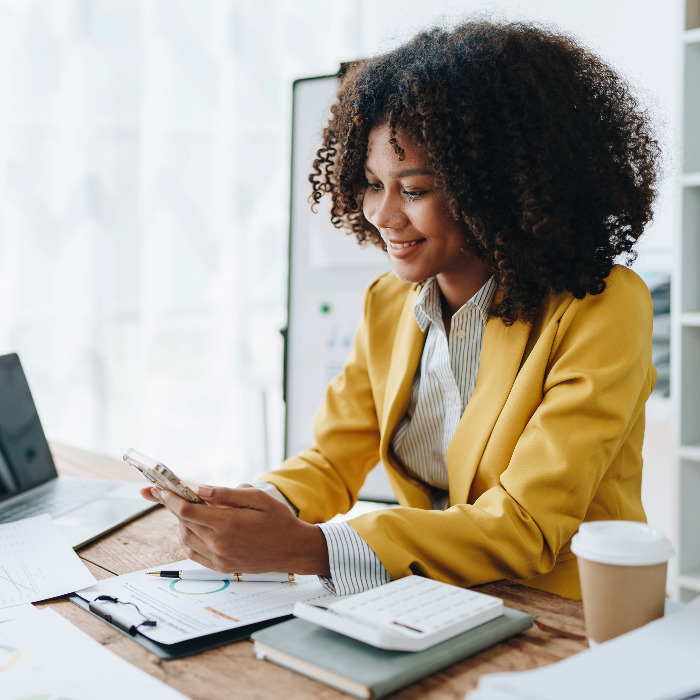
[{"x": 409, "y": 614}]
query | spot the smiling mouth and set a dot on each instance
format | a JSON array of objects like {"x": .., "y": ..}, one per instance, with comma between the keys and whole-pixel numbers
[{"x": 396, "y": 246}]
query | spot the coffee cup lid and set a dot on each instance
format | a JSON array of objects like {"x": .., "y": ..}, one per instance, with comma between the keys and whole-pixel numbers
[{"x": 621, "y": 542}]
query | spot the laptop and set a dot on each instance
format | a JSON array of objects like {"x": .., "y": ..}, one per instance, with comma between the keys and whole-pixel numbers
[{"x": 84, "y": 509}]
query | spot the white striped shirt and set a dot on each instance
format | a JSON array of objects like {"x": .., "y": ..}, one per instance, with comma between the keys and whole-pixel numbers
[{"x": 442, "y": 386}]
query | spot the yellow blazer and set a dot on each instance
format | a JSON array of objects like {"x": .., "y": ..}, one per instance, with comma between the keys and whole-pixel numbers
[{"x": 551, "y": 436}]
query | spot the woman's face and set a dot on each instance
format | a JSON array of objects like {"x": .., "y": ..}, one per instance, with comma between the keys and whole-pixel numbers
[{"x": 422, "y": 237}]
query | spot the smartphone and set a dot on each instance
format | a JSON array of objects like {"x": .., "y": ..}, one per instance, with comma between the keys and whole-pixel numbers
[{"x": 160, "y": 475}]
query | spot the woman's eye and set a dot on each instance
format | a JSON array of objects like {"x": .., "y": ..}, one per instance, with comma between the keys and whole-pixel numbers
[
  {"x": 374, "y": 186},
  {"x": 414, "y": 194}
]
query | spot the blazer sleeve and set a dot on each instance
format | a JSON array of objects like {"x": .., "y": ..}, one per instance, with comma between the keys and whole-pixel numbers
[{"x": 576, "y": 453}]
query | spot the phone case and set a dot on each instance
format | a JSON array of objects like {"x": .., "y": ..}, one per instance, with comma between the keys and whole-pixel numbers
[
  {"x": 173, "y": 483},
  {"x": 160, "y": 475}
]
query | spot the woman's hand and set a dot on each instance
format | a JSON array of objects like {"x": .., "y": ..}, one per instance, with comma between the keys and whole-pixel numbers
[{"x": 246, "y": 531}]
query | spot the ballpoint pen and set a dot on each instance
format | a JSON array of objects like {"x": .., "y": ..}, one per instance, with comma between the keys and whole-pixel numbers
[{"x": 208, "y": 575}]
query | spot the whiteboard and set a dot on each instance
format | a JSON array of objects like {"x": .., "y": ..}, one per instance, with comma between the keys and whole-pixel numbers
[{"x": 328, "y": 273}]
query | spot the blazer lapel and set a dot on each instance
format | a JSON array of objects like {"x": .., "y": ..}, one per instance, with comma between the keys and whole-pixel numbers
[{"x": 501, "y": 356}]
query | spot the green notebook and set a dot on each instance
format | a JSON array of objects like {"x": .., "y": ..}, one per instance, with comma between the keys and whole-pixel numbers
[{"x": 365, "y": 671}]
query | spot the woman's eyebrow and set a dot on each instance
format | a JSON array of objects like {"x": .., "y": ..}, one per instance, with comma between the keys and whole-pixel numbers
[{"x": 404, "y": 173}]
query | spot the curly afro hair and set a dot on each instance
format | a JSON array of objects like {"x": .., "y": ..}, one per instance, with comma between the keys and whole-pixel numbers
[{"x": 537, "y": 145}]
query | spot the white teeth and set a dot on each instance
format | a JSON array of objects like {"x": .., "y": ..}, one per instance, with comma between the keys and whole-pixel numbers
[{"x": 402, "y": 245}]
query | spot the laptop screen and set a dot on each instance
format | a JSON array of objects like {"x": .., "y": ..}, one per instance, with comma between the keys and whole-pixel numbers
[{"x": 25, "y": 459}]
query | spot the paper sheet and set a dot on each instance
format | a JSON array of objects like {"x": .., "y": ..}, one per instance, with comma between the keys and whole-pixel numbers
[
  {"x": 656, "y": 662},
  {"x": 189, "y": 609},
  {"x": 43, "y": 656},
  {"x": 36, "y": 562},
  {"x": 17, "y": 611}
]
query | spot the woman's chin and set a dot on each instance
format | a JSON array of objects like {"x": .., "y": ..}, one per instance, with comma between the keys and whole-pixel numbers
[{"x": 407, "y": 276}]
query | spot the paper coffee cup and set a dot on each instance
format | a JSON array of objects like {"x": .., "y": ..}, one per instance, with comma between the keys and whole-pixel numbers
[{"x": 622, "y": 567}]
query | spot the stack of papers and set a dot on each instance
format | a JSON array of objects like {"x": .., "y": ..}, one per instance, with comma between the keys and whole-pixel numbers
[
  {"x": 43, "y": 655},
  {"x": 656, "y": 662}
]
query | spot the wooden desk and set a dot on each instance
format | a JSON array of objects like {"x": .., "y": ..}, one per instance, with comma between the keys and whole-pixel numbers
[{"x": 233, "y": 671}]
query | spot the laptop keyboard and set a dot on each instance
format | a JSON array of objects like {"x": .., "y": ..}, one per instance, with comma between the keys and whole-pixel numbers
[{"x": 57, "y": 498}]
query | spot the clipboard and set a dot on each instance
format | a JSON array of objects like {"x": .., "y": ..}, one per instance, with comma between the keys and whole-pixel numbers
[{"x": 188, "y": 647}]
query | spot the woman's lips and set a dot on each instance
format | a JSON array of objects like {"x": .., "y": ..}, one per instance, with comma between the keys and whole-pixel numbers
[
  {"x": 402, "y": 245},
  {"x": 403, "y": 249}
]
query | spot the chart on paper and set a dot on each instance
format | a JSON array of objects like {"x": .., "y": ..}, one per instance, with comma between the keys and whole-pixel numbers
[
  {"x": 19, "y": 581},
  {"x": 37, "y": 563}
]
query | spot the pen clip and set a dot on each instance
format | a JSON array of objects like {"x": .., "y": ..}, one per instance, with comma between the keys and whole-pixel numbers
[{"x": 101, "y": 610}]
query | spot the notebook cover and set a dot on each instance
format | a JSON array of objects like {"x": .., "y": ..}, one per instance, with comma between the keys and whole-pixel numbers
[
  {"x": 190, "y": 646},
  {"x": 366, "y": 671}
]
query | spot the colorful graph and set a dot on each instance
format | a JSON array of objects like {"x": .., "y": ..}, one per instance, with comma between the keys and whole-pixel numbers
[
  {"x": 9, "y": 656},
  {"x": 198, "y": 587}
]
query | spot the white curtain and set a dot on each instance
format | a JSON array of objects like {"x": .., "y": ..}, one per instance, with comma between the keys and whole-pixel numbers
[{"x": 144, "y": 174}]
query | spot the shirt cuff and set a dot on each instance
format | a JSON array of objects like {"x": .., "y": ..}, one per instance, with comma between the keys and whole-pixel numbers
[{"x": 354, "y": 566}]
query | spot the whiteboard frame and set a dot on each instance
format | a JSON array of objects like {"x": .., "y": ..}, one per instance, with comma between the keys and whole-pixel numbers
[{"x": 328, "y": 270}]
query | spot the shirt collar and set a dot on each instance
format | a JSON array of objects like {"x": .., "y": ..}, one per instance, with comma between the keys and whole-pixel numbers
[{"x": 427, "y": 308}]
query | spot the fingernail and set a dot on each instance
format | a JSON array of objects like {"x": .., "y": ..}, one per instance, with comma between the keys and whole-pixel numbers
[
  {"x": 155, "y": 492},
  {"x": 206, "y": 491}
]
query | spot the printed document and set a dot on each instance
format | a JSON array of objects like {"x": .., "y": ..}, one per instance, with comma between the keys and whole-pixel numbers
[
  {"x": 189, "y": 609},
  {"x": 17, "y": 611},
  {"x": 658, "y": 661},
  {"x": 45, "y": 656},
  {"x": 36, "y": 562}
]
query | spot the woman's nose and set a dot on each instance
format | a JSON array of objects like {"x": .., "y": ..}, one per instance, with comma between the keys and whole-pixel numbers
[{"x": 388, "y": 214}]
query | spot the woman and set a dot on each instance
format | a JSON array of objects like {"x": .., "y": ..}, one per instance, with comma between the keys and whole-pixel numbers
[{"x": 501, "y": 370}]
